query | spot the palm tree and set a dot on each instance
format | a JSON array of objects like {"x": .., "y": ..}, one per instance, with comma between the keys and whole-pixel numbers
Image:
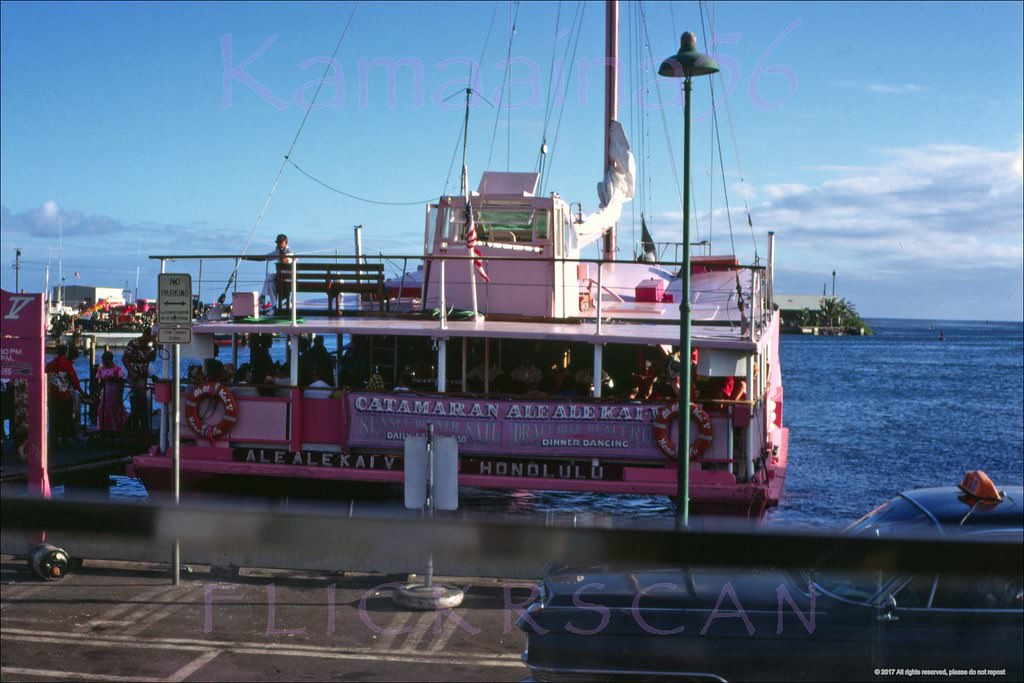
[
  {"x": 841, "y": 313},
  {"x": 829, "y": 312}
]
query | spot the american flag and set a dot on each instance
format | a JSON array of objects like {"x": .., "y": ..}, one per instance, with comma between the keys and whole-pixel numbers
[{"x": 471, "y": 244}]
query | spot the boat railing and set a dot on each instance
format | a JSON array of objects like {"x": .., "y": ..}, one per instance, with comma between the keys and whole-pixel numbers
[
  {"x": 85, "y": 411},
  {"x": 224, "y": 273},
  {"x": 747, "y": 307}
]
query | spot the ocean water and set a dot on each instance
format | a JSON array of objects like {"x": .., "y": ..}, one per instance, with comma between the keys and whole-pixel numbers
[{"x": 868, "y": 417}]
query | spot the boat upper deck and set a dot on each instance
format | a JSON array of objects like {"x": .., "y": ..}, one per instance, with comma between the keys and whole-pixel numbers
[
  {"x": 374, "y": 323},
  {"x": 620, "y": 302}
]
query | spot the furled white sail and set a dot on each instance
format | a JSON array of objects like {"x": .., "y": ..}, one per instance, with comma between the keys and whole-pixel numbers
[{"x": 614, "y": 191}]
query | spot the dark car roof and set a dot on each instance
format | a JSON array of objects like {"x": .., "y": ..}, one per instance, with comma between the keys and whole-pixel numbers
[
  {"x": 952, "y": 509},
  {"x": 918, "y": 513}
]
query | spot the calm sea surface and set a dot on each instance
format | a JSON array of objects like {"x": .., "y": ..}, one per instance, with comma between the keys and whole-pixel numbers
[{"x": 868, "y": 417}]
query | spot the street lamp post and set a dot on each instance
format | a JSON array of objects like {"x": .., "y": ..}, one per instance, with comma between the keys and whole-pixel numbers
[{"x": 685, "y": 64}]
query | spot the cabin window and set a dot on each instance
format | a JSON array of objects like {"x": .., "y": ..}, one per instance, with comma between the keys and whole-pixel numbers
[
  {"x": 512, "y": 225},
  {"x": 448, "y": 229},
  {"x": 569, "y": 243},
  {"x": 541, "y": 225},
  {"x": 432, "y": 211}
]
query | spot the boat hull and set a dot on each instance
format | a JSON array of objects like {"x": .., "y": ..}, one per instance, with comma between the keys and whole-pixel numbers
[{"x": 711, "y": 493}]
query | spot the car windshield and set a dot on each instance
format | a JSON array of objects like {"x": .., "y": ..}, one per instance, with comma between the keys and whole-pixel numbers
[
  {"x": 897, "y": 517},
  {"x": 858, "y": 587}
]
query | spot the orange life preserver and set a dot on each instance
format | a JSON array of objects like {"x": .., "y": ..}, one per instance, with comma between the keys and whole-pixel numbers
[
  {"x": 211, "y": 390},
  {"x": 666, "y": 415}
]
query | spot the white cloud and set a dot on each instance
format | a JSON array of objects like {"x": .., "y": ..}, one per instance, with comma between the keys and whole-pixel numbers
[
  {"x": 894, "y": 89},
  {"x": 916, "y": 213},
  {"x": 780, "y": 190},
  {"x": 106, "y": 251},
  {"x": 50, "y": 221},
  {"x": 881, "y": 88}
]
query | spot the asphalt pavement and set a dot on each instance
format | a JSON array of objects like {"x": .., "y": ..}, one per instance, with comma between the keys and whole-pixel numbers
[{"x": 119, "y": 621}]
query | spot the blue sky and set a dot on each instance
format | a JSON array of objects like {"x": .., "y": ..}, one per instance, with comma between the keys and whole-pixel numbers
[{"x": 880, "y": 140}]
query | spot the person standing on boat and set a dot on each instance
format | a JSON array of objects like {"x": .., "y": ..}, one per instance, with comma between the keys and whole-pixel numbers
[
  {"x": 317, "y": 358},
  {"x": 270, "y": 297},
  {"x": 112, "y": 416},
  {"x": 318, "y": 387},
  {"x": 62, "y": 383},
  {"x": 138, "y": 354}
]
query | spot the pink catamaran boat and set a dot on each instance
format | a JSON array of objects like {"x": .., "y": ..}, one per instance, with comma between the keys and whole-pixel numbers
[{"x": 552, "y": 371}]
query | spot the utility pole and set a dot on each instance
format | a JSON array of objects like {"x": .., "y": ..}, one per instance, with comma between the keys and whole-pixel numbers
[
  {"x": 833, "y": 284},
  {"x": 17, "y": 269}
]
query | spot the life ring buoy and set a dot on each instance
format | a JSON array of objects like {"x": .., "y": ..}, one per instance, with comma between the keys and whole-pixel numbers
[
  {"x": 208, "y": 391},
  {"x": 662, "y": 425}
]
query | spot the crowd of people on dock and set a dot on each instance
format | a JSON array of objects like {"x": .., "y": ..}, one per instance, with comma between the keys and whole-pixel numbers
[
  {"x": 101, "y": 399},
  {"x": 105, "y": 397}
]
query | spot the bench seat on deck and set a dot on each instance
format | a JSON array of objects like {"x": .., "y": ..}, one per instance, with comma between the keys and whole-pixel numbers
[{"x": 333, "y": 278}]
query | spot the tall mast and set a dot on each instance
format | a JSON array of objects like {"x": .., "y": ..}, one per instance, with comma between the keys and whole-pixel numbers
[{"x": 611, "y": 99}]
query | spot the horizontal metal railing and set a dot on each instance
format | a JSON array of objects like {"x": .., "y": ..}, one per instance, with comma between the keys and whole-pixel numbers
[
  {"x": 482, "y": 546},
  {"x": 753, "y": 315}
]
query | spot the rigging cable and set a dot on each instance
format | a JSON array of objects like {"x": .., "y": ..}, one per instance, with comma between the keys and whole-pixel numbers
[
  {"x": 352, "y": 196},
  {"x": 714, "y": 135},
  {"x": 291, "y": 148},
  {"x": 581, "y": 9},
  {"x": 542, "y": 152},
  {"x": 739, "y": 168},
  {"x": 513, "y": 19},
  {"x": 634, "y": 123},
  {"x": 725, "y": 188},
  {"x": 451, "y": 165},
  {"x": 645, "y": 128},
  {"x": 693, "y": 193},
  {"x": 664, "y": 119},
  {"x": 693, "y": 187},
  {"x": 458, "y": 142},
  {"x": 712, "y": 131},
  {"x": 640, "y": 126}
]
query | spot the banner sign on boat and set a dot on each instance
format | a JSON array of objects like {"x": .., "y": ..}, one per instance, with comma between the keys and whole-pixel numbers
[
  {"x": 345, "y": 461},
  {"x": 524, "y": 428},
  {"x": 579, "y": 470}
]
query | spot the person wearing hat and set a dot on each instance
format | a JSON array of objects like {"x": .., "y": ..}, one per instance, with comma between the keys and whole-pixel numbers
[{"x": 281, "y": 254}]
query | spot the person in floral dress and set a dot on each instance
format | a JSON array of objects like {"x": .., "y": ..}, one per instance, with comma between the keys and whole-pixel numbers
[{"x": 111, "y": 413}]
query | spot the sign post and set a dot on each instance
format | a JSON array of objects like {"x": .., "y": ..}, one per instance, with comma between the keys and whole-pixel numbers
[
  {"x": 431, "y": 480},
  {"x": 174, "y": 318}
]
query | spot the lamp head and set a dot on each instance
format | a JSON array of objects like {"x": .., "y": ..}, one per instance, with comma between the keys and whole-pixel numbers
[{"x": 688, "y": 62}]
